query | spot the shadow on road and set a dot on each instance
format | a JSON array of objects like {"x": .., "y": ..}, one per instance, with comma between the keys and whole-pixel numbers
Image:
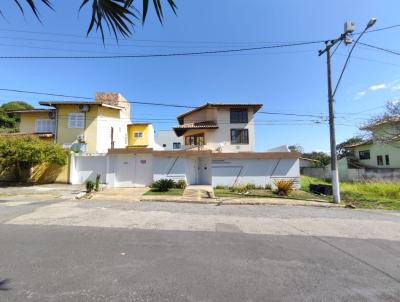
[{"x": 3, "y": 284}]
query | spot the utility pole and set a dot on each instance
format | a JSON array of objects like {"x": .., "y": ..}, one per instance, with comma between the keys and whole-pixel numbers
[
  {"x": 348, "y": 29},
  {"x": 334, "y": 171}
]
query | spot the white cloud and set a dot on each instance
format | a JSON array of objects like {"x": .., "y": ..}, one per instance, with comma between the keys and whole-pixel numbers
[
  {"x": 396, "y": 87},
  {"x": 360, "y": 94},
  {"x": 377, "y": 87}
]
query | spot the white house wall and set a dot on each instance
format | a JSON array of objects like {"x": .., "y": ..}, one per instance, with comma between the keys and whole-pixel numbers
[
  {"x": 84, "y": 168},
  {"x": 259, "y": 172}
]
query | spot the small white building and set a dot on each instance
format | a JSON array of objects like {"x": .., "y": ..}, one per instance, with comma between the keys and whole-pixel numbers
[{"x": 168, "y": 140}]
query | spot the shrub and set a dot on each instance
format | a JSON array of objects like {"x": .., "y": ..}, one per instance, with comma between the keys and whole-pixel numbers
[
  {"x": 163, "y": 185},
  {"x": 90, "y": 185},
  {"x": 284, "y": 187},
  {"x": 97, "y": 183},
  {"x": 181, "y": 184},
  {"x": 243, "y": 188},
  {"x": 268, "y": 186}
]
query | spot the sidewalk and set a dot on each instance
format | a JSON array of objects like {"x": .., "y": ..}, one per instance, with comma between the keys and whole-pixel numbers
[{"x": 239, "y": 201}]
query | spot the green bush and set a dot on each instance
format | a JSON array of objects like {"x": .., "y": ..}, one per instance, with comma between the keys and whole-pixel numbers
[
  {"x": 283, "y": 186},
  {"x": 181, "y": 184},
  {"x": 163, "y": 185},
  {"x": 243, "y": 188},
  {"x": 268, "y": 186},
  {"x": 97, "y": 183},
  {"x": 90, "y": 185}
]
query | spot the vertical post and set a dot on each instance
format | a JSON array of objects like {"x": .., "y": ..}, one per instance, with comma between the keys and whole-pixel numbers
[{"x": 334, "y": 171}]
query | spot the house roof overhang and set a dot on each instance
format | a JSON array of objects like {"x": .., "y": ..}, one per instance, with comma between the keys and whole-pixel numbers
[
  {"x": 255, "y": 107},
  {"x": 181, "y": 129},
  {"x": 36, "y": 110},
  {"x": 57, "y": 103}
]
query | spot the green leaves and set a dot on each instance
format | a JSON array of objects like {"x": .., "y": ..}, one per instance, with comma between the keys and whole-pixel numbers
[
  {"x": 116, "y": 16},
  {"x": 28, "y": 151}
]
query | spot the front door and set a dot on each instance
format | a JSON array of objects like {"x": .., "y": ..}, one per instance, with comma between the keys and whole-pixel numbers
[
  {"x": 125, "y": 174},
  {"x": 204, "y": 171}
]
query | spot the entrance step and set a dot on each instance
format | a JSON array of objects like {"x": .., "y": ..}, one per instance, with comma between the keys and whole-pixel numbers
[{"x": 198, "y": 192}]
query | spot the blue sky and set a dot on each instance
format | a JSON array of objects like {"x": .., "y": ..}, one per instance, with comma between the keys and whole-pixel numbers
[{"x": 291, "y": 80}]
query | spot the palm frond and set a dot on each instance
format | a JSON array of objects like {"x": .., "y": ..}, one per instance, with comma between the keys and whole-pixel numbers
[{"x": 33, "y": 6}]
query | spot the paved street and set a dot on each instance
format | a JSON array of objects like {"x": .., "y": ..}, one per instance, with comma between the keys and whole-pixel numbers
[{"x": 57, "y": 250}]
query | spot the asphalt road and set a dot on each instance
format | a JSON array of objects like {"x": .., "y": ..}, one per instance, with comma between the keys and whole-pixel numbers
[{"x": 110, "y": 251}]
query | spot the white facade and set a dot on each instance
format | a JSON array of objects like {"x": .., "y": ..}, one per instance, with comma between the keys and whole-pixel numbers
[
  {"x": 218, "y": 138},
  {"x": 139, "y": 170},
  {"x": 168, "y": 140}
]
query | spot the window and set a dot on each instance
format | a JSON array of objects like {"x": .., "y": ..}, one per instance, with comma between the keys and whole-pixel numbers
[
  {"x": 239, "y": 116},
  {"x": 364, "y": 154},
  {"x": 239, "y": 136},
  {"x": 138, "y": 134},
  {"x": 76, "y": 120},
  {"x": 194, "y": 140},
  {"x": 176, "y": 146},
  {"x": 44, "y": 126},
  {"x": 164, "y": 145},
  {"x": 387, "y": 160},
  {"x": 379, "y": 160}
]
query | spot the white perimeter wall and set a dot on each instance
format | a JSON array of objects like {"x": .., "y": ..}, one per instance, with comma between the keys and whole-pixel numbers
[
  {"x": 85, "y": 168},
  {"x": 255, "y": 171}
]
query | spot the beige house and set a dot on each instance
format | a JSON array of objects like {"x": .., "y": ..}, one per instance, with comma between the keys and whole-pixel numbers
[
  {"x": 382, "y": 150},
  {"x": 219, "y": 127}
]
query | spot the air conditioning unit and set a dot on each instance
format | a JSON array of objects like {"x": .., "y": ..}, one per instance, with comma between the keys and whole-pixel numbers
[
  {"x": 81, "y": 138},
  {"x": 84, "y": 108},
  {"x": 52, "y": 115}
]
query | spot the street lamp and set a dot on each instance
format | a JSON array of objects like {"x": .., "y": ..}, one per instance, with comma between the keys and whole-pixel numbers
[{"x": 349, "y": 28}]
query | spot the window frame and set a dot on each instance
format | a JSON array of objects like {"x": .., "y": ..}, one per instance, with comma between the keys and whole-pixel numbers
[
  {"x": 138, "y": 134},
  {"x": 242, "y": 115},
  {"x": 76, "y": 120},
  {"x": 242, "y": 138},
  {"x": 49, "y": 126},
  {"x": 387, "y": 160},
  {"x": 364, "y": 156},
  {"x": 176, "y": 143},
  {"x": 379, "y": 160},
  {"x": 194, "y": 140}
]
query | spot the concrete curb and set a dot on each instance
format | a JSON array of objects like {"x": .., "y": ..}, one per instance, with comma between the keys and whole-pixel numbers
[{"x": 242, "y": 201}]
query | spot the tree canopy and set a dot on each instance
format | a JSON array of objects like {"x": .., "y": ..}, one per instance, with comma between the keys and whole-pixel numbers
[
  {"x": 322, "y": 159},
  {"x": 118, "y": 16},
  {"x": 26, "y": 151},
  {"x": 9, "y": 121},
  {"x": 340, "y": 148}
]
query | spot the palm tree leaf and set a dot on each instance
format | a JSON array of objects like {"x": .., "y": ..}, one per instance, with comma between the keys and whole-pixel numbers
[{"x": 33, "y": 6}]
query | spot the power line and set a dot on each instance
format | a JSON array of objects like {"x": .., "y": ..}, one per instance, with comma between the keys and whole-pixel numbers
[
  {"x": 150, "y": 103},
  {"x": 133, "y": 56},
  {"x": 381, "y": 48}
]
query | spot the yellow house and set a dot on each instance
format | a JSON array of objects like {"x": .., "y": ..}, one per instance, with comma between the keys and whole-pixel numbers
[
  {"x": 85, "y": 126},
  {"x": 37, "y": 122},
  {"x": 140, "y": 135}
]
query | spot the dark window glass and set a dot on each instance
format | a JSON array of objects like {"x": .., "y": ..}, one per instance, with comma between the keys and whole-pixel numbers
[
  {"x": 239, "y": 115},
  {"x": 239, "y": 136},
  {"x": 364, "y": 154},
  {"x": 379, "y": 160},
  {"x": 195, "y": 140},
  {"x": 164, "y": 145},
  {"x": 176, "y": 145},
  {"x": 387, "y": 160}
]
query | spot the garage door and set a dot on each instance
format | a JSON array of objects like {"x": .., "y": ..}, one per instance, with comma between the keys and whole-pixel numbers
[{"x": 133, "y": 171}]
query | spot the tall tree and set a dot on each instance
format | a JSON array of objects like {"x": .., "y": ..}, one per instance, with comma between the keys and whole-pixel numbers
[
  {"x": 118, "y": 16},
  {"x": 385, "y": 128},
  {"x": 341, "y": 148},
  {"x": 9, "y": 121}
]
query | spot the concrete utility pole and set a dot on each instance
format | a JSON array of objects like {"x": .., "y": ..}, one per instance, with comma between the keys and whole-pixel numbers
[{"x": 348, "y": 29}]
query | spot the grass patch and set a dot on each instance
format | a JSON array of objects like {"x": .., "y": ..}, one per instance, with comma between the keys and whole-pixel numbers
[
  {"x": 262, "y": 193},
  {"x": 367, "y": 195},
  {"x": 170, "y": 192}
]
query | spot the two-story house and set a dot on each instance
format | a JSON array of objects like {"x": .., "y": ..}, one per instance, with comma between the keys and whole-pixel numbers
[
  {"x": 382, "y": 150},
  {"x": 83, "y": 126},
  {"x": 219, "y": 127}
]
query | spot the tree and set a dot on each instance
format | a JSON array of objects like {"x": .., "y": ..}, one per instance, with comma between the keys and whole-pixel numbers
[
  {"x": 296, "y": 148},
  {"x": 22, "y": 153},
  {"x": 385, "y": 128},
  {"x": 116, "y": 15},
  {"x": 340, "y": 148},
  {"x": 9, "y": 121},
  {"x": 322, "y": 159}
]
